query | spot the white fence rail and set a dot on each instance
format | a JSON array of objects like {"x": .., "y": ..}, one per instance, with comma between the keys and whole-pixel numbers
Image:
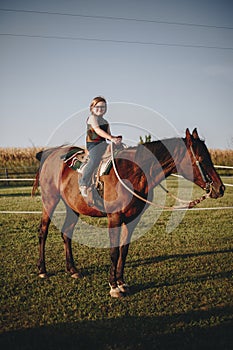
[
  {"x": 18, "y": 179},
  {"x": 223, "y": 167}
]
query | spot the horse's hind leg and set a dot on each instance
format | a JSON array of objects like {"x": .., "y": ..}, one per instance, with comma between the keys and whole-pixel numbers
[
  {"x": 67, "y": 233},
  {"x": 48, "y": 209},
  {"x": 43, "y": 233}
]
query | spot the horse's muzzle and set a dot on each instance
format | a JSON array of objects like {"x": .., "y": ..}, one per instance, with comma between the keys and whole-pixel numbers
[
  {"x": 222, "y": 190},
  {"x": 217, "y": 192}
]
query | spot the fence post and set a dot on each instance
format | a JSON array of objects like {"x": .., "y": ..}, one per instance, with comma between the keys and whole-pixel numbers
[{"x": 7, "y": 176}]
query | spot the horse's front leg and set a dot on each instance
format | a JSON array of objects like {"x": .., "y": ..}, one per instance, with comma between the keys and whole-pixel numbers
[
  {"x": 114, "y": 225},
  {"x": 126, "y": 233},
  {"x": 122, "y": 285}
]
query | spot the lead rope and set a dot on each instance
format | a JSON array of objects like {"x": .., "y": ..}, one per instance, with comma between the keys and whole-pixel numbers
[{"x": 187, "y": 206}]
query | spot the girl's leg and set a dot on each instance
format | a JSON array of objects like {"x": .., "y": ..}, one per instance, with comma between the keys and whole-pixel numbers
[{"x": 95, "y": 154}]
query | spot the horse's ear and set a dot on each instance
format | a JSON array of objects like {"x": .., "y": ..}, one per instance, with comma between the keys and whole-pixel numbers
[
  {"x": 195, "y": 134},
  {"x": 188, "y": 137}
]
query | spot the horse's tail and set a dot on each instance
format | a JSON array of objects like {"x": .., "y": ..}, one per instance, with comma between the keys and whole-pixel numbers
[
  {"x": 35, "y": 184},
  {"x": 41, "y": 156}
]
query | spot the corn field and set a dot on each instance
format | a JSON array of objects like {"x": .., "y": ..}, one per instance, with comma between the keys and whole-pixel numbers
[
  {"x": 222, "y": 157},
  {"x": 20, "y": 159}
]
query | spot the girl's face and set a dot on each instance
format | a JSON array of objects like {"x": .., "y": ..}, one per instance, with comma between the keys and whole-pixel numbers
[{"x": 99, "y": 109}]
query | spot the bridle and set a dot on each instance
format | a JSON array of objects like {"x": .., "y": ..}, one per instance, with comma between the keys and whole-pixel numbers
[
  {"x": 205, "y": 177},
  {"x": 186, "y": 204}
]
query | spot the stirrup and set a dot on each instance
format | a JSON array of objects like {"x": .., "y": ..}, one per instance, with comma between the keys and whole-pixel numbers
[{"x": 83, "y": 191}]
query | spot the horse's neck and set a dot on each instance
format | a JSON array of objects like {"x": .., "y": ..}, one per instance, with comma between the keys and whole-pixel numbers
[
  {"x": 162, "y": 162},
  {"x": 147, "y": 165}
]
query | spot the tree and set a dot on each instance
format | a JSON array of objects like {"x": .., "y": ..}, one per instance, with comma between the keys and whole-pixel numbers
[{"x": 147, "y": 139}]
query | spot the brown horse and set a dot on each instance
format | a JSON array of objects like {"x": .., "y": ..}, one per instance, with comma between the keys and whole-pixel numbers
[{"x": 144, "y": 166}]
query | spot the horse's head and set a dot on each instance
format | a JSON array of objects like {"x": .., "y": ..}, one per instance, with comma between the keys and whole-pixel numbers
[{"x": 201, "y": 171}]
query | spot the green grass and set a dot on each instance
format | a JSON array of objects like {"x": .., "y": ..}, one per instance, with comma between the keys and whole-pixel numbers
[{"x": 181, "y": 284}]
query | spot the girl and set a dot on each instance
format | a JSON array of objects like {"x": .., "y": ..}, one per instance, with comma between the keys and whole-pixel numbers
[{"x": 98, "y": 131}]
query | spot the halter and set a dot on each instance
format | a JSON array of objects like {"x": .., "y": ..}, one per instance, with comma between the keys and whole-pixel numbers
[
  {"x": 186, "y": 204},
  {"x": 204, "y": 176}
]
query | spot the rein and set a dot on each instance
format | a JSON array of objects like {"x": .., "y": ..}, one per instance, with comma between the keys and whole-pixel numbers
[{"x": 187, "y": 206}]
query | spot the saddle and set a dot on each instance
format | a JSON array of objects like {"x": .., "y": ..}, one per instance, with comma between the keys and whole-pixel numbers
[{"x": 77, "y": 158}]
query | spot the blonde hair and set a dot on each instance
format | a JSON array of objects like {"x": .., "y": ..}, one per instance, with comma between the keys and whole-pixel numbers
[{"x": 97, "y": 100}]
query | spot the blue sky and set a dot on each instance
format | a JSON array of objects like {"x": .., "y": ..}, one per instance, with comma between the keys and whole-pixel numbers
[{"x": 47, "y": 81}]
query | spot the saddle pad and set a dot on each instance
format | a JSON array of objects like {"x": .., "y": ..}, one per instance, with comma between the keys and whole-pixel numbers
[{"x": 75, "y": 157}]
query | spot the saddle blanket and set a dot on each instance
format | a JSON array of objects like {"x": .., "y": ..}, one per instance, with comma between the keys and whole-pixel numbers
[{"x": 77, "y": 158}]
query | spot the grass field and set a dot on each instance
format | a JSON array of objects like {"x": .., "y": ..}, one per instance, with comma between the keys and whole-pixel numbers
[{"x": 181, "y": 284}]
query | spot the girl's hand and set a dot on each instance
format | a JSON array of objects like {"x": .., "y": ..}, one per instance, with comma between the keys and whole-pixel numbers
[{"x": 116, "y": 139}]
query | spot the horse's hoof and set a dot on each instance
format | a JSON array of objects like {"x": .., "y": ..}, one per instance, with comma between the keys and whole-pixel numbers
[
  {"x": 124, "y": 288},
  {"x": 43, "y": 275},
  {"x": 115, "y": 292},
  {"x": 75, "y": 275}
]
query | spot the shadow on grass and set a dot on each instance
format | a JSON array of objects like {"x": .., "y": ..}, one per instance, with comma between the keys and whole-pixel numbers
[
  {"x": 160, "y": 258},
  {"x": 153, "y": 284},
  {"x": 163, "y": 332},
  {"x": 153, "y": 260}
]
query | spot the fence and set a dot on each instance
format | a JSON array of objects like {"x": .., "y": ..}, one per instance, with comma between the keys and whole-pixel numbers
[
  {"x": 12, "y": 176},
  {"x": 8, "y": 176}
]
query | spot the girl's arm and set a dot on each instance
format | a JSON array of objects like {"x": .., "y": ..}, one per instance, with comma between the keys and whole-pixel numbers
[{"x": 106, "y": 135}]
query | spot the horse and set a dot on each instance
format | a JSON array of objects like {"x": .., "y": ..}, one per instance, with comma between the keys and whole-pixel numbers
[{"x": 186, "y": 156}]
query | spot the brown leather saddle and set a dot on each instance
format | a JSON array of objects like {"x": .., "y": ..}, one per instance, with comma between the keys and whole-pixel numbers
[{"x": 77, "y": 158}]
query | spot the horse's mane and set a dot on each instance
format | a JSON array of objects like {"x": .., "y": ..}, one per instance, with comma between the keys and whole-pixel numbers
[{"x": 162, "y": 149}]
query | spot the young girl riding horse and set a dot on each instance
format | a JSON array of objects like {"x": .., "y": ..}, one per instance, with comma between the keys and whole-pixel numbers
[{"x": 98, "y": 131}]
